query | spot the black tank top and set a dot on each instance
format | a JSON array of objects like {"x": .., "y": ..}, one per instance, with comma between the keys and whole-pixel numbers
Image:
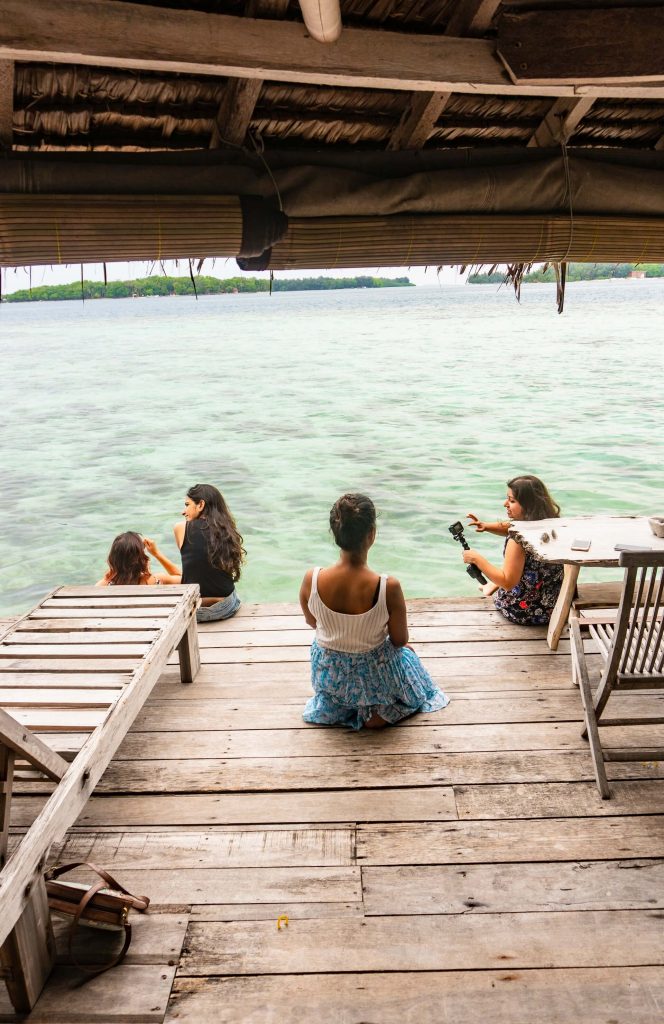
[{"x": 196, "y": 566}]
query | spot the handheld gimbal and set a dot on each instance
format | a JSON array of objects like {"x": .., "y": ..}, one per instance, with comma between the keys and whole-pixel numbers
[{"x": 456, "y": 529}]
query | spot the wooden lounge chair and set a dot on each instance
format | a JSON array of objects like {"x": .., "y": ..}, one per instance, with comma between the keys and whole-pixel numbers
[
  {"x": 630, "y": 641},
  {"x": 74, "y": 673}
]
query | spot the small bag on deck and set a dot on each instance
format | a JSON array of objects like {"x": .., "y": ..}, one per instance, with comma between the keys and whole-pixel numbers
[{"x": 105, "y": 904}]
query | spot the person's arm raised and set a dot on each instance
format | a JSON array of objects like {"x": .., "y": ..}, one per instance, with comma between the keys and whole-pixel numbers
[
  {"x": 512, "y": 569},
  {"x": 305, "y": 594},
  {"x": 499, "y": 528},
  {"x": 397, "y": 623},
  {"x": 173, "y": 572}
]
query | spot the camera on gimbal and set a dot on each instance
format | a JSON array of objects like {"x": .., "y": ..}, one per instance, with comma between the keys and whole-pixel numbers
[{"x": 456, "y": 529}]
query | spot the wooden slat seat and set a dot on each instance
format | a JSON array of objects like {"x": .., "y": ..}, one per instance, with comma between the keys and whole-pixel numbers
[{"x": 117, "y": 642}]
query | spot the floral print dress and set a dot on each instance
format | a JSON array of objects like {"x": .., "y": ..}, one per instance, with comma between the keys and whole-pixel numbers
[{"x": 532, "y": 600}]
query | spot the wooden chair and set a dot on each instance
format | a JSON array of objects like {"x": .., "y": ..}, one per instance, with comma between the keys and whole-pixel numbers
[
  {"x": 74, "y": 673},
  {"x": 630, "y": 641}
]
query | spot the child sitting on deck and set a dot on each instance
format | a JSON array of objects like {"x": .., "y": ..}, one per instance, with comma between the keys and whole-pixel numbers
[
  {"x": 526, "y": 588},
  {"x": 128, "y": 564},
  {"x": 363, "y": 672}
]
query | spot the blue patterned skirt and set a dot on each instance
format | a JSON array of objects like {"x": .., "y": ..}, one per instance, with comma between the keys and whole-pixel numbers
[{"x": 388, "y": 681}]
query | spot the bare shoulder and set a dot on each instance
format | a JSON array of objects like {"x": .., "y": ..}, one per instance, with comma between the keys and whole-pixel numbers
[
  {"x": 178, "y": 531},
  {"x": 393, "y": 591},
  {"x": 306, "y": 580}
]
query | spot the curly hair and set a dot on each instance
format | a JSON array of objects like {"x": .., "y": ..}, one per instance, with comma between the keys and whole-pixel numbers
[
  {"x": 224, "y": 542},
  {"x": 352, "y": 518},
  {"x": 128, "y": 563},
  {"x": 533, "y": 497}
]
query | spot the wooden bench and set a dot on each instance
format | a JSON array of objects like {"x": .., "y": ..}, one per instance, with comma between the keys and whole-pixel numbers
[{"x": 74, "y": 673}]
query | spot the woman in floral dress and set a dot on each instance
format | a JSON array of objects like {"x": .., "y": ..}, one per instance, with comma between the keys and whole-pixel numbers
[
  {"x": 526, "y": 588},
  {"x": 362, "y": 670}
]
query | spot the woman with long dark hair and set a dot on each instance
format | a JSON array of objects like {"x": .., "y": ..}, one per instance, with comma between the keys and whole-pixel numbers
[
  {"x": 526, "y": 588},
  {"x": 129, "y": 565},
  {"x": 211, "y": 550},
  {"x": 363, "y": 671}
]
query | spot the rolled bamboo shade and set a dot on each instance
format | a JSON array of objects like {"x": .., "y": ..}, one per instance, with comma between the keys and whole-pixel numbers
[
  {"x": 399, "y": 241},
  {"x": 40, "y": 229}
]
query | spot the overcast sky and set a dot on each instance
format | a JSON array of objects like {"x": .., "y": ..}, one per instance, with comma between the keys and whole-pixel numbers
[{"x": 14, "y": 279}]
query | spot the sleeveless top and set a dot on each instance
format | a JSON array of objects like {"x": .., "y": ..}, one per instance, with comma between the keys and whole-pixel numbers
[
  {"x": 353, "y": 634},
  {"x": 196, "y": 566}
]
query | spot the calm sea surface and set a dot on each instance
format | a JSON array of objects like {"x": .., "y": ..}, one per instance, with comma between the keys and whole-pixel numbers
[{"x": 427, "y": 399}]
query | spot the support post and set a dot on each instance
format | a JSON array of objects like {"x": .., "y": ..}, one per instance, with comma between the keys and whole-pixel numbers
[
  {"x": 6, "y": 781},
  {"x": 28, "y": 953},
  {"x": 189, "y": 653}
]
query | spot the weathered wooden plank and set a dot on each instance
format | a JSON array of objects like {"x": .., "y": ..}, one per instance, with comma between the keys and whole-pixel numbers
[
  {"x": 465, "y": 709},
  {"x": 382, "y": 771},
  {"x": 558, "y": 799},
  {"x": 510, "y": 888},
  {"x": 126, "y": 995},
  {"x": 420, "y": 635},
  {"x": 421, "y": 804},
  {"x": 85, "y": 649},
  {"x": 458, "y": 649},
  {"x": 29, "y": 697},
  {"x": 107, "y": 599},
  {"x": 166, "y": 596},
  {"x": 63, "y": 680},
  {"x": 271, "y": 911},
  {"x": 142, "y": 617},
  {"x": 244, "y": 885},
  {"x": 321, "y": 742},
  {"x": 155, "y": 939},
  {"x": 550, "y": 839},
  {"x": 67, "y": 665},
  {"x": 71, "y": 635},
  {"x": 181, "y": 851},
  {"x": 486, "y": 615},
  {"x": 459, "y": 941},
  {"x": 426, "y": 803},
  {"x": 624, "y": 995},
  {"x": 49, "y": 719}
]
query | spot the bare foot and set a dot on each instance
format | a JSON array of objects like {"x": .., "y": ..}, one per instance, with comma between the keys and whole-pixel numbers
[
  {"x": 487, "y": 589},
  {"x": 375, "y": 722}
]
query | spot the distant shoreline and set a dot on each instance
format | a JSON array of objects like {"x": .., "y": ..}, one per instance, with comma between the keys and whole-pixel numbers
[
  {"x": 579, "y": 272},
  {"x": 157, "y": 285}
]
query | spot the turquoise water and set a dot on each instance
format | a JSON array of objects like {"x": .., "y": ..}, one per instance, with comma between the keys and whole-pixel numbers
[{"x": 428, "y": 399}]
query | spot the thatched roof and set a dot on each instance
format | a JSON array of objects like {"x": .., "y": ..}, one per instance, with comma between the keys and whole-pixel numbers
[{"x": 234, "y": 77}]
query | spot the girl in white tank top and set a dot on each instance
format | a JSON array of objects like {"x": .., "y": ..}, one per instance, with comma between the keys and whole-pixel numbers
[{"x": 362, "y": 671}]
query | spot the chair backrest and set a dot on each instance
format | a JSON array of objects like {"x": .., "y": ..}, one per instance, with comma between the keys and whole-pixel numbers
[{"x": 637, "y": 650}]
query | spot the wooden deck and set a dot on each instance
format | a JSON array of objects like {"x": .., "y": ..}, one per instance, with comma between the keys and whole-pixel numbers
[{"x": 460, "y": 867}]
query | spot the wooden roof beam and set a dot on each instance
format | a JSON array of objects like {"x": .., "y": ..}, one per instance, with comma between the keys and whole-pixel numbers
[
  {"x": 561, "y": 121},
  {"x": 241, "y": 94},
  {"x": 6, "y": 103},
  {"x": 419, "y": 120},
  {"x": 192, "y": 42},
  {"x": 471, "y": 17}
]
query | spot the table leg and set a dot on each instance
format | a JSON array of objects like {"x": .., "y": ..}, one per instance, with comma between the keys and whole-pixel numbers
[{"x": 560, "y": 613}]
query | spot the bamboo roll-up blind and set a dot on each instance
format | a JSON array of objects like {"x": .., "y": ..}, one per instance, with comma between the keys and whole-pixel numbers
[
  {"x": 432, "y": 240},
  {"x": 51, "y": 229}
]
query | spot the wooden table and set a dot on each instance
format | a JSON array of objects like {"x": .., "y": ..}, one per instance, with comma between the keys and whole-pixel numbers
[{"x": 551, "y": 540}]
